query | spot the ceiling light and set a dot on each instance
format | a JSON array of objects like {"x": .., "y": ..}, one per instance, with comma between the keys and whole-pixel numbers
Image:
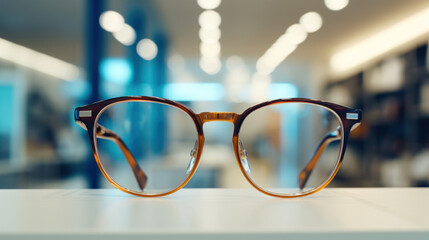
[
  {"x": 288, "y": 42},
  {"x": 234, "y": 62},
  {"x": 37, "y": 61},
  {"x": 273, "y": 57},
  {"x": 210, "y": 49},
  {"x": 336, "y": 5},
  {"x": 209, "y": 35},
  {"x": 147, "y": 49},
  {"x": 209, "y": 4},
  {"x": 283, "y": 52},
  {"x": 311, "y": 22},
  {"x": 126, "y": 35},
  {"x": 296, "y": 33},
  {"x": 209, "y": 19},
  {"x": 263, "y": 68},
  {"x": 392, "y": 37},
  {"x": 210, "y": 65},
  {"x": 111, "y": 21},
  {"x": 283, "y": 41}
]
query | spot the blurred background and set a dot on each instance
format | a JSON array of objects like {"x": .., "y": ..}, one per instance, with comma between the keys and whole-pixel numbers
[{"x": 214, "y": 55}]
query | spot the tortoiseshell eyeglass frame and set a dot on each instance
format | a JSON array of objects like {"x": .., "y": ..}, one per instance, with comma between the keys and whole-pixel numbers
[{"x": 87, "y": 117}]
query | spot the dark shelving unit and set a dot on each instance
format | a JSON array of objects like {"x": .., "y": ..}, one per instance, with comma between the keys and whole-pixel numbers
[{"x": 396, "y": 121}]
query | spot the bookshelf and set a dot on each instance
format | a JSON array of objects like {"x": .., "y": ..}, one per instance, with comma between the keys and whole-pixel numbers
[{"x": 393, "y": 140}]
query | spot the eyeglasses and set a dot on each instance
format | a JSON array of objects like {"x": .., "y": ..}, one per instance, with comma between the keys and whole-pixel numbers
[{"x": 149, "y": 146}]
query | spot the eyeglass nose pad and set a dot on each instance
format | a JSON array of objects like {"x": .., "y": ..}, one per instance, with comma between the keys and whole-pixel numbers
[
  {"x": 193, "y": 154},
  {"x": 243, "y": 157}
]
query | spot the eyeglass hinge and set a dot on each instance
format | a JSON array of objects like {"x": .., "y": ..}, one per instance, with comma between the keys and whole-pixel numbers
[
  {"x": 85, "y": 113},
  {"x": 352, "y": 116}
]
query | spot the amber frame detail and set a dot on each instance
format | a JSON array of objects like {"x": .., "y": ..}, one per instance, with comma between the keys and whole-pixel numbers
[{"x": 87, "y": 116}]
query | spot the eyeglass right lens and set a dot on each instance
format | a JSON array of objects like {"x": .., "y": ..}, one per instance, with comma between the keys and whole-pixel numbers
[
  {"x": 294, "y": 147},
  {"x": 146, "y": 135}
]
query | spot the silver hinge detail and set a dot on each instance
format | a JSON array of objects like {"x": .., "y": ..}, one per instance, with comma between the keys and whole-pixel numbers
[
  {"x": 87, "y": 113},
  {"x": 352, "y": 116}
]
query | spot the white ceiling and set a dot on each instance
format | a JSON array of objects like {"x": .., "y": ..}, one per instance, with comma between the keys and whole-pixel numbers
[{"x": 248, "y": 27}]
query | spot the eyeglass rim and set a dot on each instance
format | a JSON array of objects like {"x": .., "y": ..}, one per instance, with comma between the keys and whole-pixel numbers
[
  {"x": 336, "y": 109},
  {"x": 98, "y": 107}
]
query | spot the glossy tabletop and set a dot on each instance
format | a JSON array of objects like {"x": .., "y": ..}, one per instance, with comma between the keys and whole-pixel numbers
[{"x": 333, "y": 213}]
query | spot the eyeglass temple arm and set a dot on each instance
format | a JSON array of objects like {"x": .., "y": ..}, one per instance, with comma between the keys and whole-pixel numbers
[
  {"x": 305, "y": 173},
  {"x": 105, "y": 133}
]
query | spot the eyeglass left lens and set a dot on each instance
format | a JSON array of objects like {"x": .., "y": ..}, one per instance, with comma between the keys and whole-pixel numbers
[{"x": 146, "y": 147}]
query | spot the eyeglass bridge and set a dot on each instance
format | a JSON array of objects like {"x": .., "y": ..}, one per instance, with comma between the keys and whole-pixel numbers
[{"x": 218, "y": 116}]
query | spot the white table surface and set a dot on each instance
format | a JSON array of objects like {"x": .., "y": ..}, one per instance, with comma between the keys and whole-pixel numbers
[{"x": 333, "y": 213}]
